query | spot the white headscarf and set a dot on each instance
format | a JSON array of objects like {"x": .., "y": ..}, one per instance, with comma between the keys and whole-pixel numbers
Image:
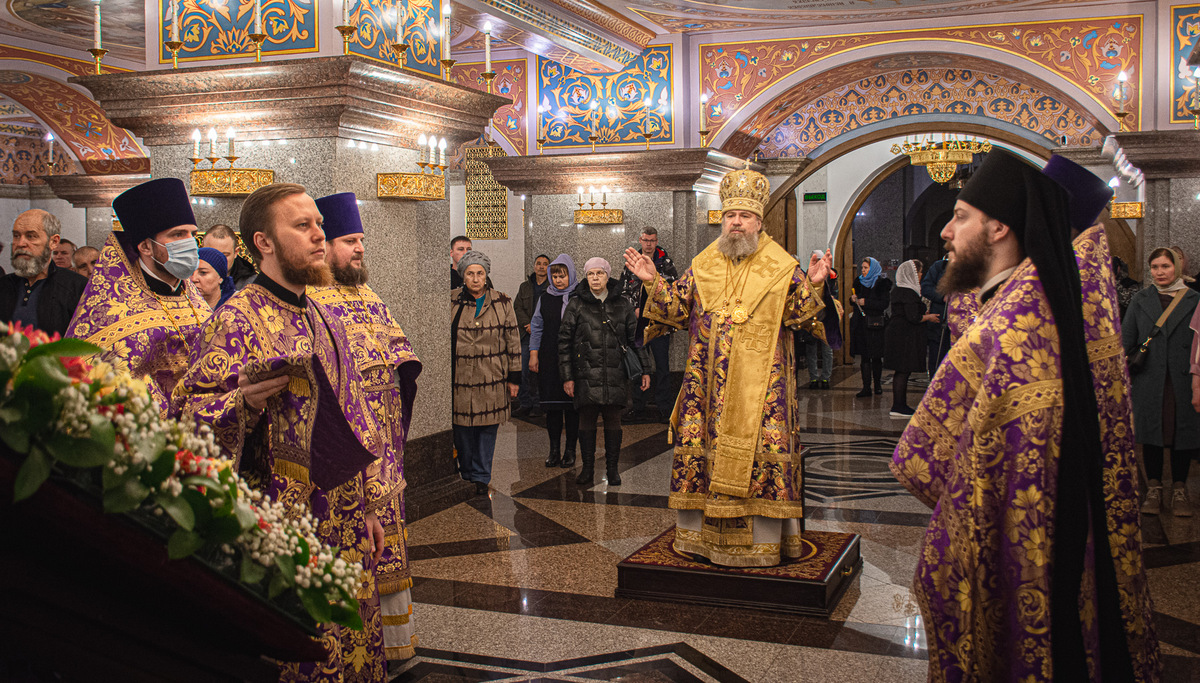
[
  {"x": 906, "y": 276},
  {"x": 1178, "y": 283}
]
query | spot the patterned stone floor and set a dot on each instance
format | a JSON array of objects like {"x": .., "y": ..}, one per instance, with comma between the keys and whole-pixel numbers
[{"x": 518, "y": 586}]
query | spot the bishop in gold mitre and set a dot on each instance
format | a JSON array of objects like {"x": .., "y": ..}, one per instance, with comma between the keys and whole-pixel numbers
[{"x": 736, "y": 475}]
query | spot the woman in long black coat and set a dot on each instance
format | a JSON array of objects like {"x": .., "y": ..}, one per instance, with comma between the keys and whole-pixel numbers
[
  {"x": 543, "y": 360},
  {"x": 870, "y": 298},
  {"x": 904, "y": 337},
  {"x": 597, "y": 326}
]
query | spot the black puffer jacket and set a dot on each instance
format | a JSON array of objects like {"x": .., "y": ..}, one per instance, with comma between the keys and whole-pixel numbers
[{"x": 588, "y": 349}]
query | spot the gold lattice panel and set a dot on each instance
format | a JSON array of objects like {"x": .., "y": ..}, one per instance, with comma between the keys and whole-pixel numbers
[{"x": 487, "y": 200}]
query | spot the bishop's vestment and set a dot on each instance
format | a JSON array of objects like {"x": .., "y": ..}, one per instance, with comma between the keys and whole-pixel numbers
[
  {"x": 141, "y": 332},
  {"x": 736, "y": 474},
  {"x": 277, "y": 449},
  {"x": 982, "y": 451},
  {"x": 389, "y": 369}
]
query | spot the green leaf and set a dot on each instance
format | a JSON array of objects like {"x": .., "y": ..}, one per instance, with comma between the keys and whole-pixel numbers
[
  {"x": 246, "y": 517},
  {"x": 314, "y": 601},
  {"x": 125, "y": 497},
  {"x": 150, "y": 447},
  {"x": 63, "y": 348},
  {"x": 278, "y": 585},
  {"x": 43, "y": 373},
  {"x": 178, "y": 509},
  {"x": 223, "y": 529},
  {"x": 33, "y": 473},
  {"x": 305, "y": 551},
  {"x": 160, "y": 468},
  {"x": 16, "y": 438},
  {"x": 252, "y": 572},
  {"x": 288, "y": 566},
  {"x": 346, "y": 615},
  {"x": 10, "y": 413},
  {"x": 183, "y": 543},
  {"x": 201, "y": 508},
  {"x": 77, "y": 452},
  {"x": 196, "y": 481}
]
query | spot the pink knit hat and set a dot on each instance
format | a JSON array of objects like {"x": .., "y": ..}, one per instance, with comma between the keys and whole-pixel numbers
[{"x": 597, "y": 262}]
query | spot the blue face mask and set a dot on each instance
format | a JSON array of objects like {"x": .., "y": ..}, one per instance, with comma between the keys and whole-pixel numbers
[{"x": 182, "y": 257}]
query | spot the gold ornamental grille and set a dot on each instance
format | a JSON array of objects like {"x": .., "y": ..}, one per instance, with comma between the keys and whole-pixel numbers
[
  {"x": 599, "y": 216},
  {"x": 229, "y": 182},
  {"x": 1128, "y": 210},
  {"x": 487, "y": 200},
  {"x": 423, "y": 187}
]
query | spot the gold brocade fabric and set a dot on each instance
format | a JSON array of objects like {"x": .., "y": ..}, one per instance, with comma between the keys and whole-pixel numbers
[{"x": 140, "y": 332}]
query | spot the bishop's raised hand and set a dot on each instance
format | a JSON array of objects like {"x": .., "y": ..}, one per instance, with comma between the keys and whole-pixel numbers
[
  {"x": 819, "y": 267},
  {"x": 640, "y": 265}
]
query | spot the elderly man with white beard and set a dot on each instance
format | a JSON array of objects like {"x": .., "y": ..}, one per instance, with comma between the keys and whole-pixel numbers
[
  {"x": 38, "y": 293},
  {"x": 736, "y": 476}
]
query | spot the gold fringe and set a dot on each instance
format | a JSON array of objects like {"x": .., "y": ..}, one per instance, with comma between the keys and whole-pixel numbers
[
  {"x": 291, "y": 470},
  {"x": 756, "y": 555},
  {"x": 402, "y": 652},
  {"x": 395, "y": 619},
  {"x": 736, "y": 507}
]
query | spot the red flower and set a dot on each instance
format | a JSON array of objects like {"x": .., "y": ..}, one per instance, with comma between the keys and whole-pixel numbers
[
  {"x": 76, "y": 367},
  {"x": 263, "y": 525}
]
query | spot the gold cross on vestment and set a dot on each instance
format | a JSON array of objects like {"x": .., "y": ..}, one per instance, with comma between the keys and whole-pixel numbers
[{"x": 756, "y": 336}]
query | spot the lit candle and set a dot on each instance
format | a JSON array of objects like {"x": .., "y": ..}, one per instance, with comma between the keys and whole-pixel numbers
[
  {"x": 421, "y": 142},
  {"x": 229, "y": 136},
  {"x": 346, "y": 12},
  {"x": 196, "y": 143},
  {"x": 401, "y": 27},
  {"x": 591, "y": 195},
  {"x": 442, "y": 149},
  {"x": 703, "y": 101},
  {"x": 446, "y": 27},
  {"x": 50, "y": 156},
  {"x": 433, "y": 150},
  {"x": 487, "y": 47},
  {"x": 175, "y": 9},
  {"x": 258, "y": 16},
  {"x": 592, "y": 118},
  {"x": 646, "y": 114},
  {"x": 604, "y": 194},
  {"x": 1120, "y": 92},
  {"x": 581, "y": 195},
  {"x": 96, "y": 25},
  {"x": 212, "y": 142}
]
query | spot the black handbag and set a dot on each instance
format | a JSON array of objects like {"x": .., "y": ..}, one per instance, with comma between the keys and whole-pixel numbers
[
  {"x": 875, "y": 322},
  {"x": 1137, "y": 359},
  {"x": 629, "y": 356}
]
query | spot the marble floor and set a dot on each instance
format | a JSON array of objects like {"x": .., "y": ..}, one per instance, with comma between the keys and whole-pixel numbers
[{"x": 519, "y": 585}]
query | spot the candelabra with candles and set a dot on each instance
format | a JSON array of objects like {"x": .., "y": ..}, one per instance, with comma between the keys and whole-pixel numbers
[
  {"x": 223, "y": 182},
  {"x": 428, "y": 185},
  {"x": 941, "y": 159},
  {"x": 1121, "y": 94},
  {"x": 594, "y": 216}
]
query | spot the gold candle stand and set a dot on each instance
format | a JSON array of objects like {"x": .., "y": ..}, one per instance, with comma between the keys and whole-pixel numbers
[
  {"x": 173, "y": 46},
  {"x": 488, "y": 77},
  {"x": 347, "y": 34},
  {"x": 447, "y": 64},
  {"x": 258, "y": 39},
  {"x": 98, "y": 54}
]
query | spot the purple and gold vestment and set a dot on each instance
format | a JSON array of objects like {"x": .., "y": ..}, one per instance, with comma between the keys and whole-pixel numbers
[
  {"x": 961, "y": 309},
  {"x": 758, "y": 528},
  {"x": 982, "y": 450},
  {"x": 275, "y": 449},
  {"x": 141, "y": 332},
  {"x": 389, "y": 368}
]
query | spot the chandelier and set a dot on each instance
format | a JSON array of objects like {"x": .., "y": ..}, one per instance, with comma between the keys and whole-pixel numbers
[{"x": 941, "y": 159}]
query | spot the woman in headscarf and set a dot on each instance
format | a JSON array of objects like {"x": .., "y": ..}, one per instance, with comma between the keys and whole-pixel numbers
[
  {"x": 870, "y": 299},
  {"x": 1163, "y": 416},
  {"x": 485, "y": 349},
  {"x": 904, "y": 337},
  {"x": 543, "y": 359},
  {"x": 212, "y": 277}
]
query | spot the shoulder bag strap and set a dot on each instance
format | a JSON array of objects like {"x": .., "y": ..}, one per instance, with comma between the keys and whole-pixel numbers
[{"x": 1162, "y": 319}]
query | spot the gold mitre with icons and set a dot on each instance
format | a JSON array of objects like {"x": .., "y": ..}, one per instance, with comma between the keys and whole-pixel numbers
[{"x": 745, "y": 190}]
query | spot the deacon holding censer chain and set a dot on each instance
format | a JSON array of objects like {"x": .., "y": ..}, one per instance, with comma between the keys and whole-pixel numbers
[{"x": 736, "y": 476}]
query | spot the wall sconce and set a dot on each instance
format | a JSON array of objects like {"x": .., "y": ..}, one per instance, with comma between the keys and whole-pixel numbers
[
  {"x": 1127, "y": 210},
  {"x": 714, "y": 217},
  {"x": 428, "y": 185},
  {"x": 594, "y": 216},
  {"x": 225, "y": 182}
]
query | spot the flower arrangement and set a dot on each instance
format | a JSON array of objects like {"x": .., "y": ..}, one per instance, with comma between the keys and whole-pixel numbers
[{"x": 57, "y": 408}]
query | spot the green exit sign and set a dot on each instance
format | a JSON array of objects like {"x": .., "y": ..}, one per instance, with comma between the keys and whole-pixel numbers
[{"x": 814, "y": 196}]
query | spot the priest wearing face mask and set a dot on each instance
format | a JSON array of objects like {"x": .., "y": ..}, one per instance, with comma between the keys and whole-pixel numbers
[{"x": 139, "y": 306}]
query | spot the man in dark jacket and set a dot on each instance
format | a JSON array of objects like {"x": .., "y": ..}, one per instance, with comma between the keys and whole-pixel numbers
[
  {"x": 937, "y": 334},
  {"x": 527, "y": 296},
  {"x": 38, "y": 293},
  {"x": 660, "y": 348},
  {"x": 225, "y": 240}
]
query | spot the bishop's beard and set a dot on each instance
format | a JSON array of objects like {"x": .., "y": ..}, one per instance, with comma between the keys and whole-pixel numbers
[
  {"x": 349, "y": 276},
  {"x": 737, "y": 246},
  {"x": 296, "y": 269},
  {"x": 968, "y": 269}
]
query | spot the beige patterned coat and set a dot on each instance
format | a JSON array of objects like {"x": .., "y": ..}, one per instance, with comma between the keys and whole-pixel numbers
[{"x": 487, "y": 356}]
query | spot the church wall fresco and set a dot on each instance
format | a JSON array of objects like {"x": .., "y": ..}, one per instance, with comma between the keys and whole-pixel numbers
[
  {"x": 377, "y": 26},
  {"x": 622, "y": 113},
  {"x": 78, "y": 122},
  {"x": 23, "y": 157},
  {"x": 1088, "y": 53},
  {"x": 510, "y": 120},
  {"x": 1185, "y": 29},
  {"x": 912, "y": 92}
]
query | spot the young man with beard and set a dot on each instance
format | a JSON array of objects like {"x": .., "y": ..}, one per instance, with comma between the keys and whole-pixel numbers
[
  {"x": 139, "y": 305},
  {"x": 736, "y": 475},
  {"x": 389, "y": 369},
  {"x": 38, "y": 293},
  {"x": 1031, "y": 568},
  {"x": 274, "y": 377}
]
